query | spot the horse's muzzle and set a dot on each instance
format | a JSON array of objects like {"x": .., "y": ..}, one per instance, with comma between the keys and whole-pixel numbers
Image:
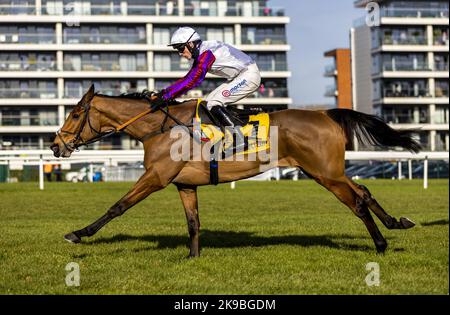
[{"x": 55, "y": 148}]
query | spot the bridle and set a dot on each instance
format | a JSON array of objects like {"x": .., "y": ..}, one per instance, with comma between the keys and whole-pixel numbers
[{"x": 73, "y": 145}]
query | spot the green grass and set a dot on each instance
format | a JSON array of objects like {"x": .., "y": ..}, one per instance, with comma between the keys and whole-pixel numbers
[{"x": 261, "y": 238}]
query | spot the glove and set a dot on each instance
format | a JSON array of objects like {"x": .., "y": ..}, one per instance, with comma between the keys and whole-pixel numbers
[{"x": 157, "y": 101}]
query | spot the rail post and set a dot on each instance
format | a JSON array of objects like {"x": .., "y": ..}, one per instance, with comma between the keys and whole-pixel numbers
[
  {"x": 425, "y": 173},
  {"x": 41, "y": 172}
]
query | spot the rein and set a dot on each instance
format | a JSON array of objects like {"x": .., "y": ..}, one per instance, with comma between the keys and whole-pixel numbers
[{"x": 72, "y": 146}]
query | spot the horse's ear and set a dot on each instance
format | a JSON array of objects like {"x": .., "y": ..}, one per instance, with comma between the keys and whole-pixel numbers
[{"x": 89, "y": 95}]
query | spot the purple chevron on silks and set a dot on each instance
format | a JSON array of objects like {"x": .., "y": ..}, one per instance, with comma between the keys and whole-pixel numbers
[{"x": 193, "y": 78}]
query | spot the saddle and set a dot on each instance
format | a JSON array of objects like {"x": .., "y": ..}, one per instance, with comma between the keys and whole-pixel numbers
[{"x": 254, "y": 126}]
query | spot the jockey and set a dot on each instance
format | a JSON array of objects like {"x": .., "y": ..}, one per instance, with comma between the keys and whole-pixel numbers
[{"x": 240, "y": 70}]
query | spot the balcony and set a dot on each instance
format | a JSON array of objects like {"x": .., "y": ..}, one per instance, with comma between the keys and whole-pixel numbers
[
  {"x": 331, "y": 91},
  {"x": 17, "y": 9},
  {"x": 28, "y": 93},
  {"x": 410, "y": 92},
  {"x": 27, "y": 120},
  {"x": 109, "y": 65},
  {"x": 191, "y": 10},
  {"x": 111, "y": 38},
  {"x": 111, "y": 9},
  {"x": 441, "y": 66},
  {"x": 441, "y": 92},
  {"x": 440, "y": 38},
  {"x": 330, "y": 71},
  {"x": 270, "y": 92},
  {"x": 405, "y": 119},
  {"x": 403, "y": 40},
  {"x": 86, "y": 8},
  {"x": 406, "y": 66},
  {"x": 27, "y": 38},
  {"x": 27, "y": 66},
  {"x": 415, "y": 12},
  {"x": 264, "y": 40}
]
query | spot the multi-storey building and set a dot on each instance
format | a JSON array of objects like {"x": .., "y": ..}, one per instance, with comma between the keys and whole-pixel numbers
[
  {"x": 340, "y": 71},
  {"x": 52, "y": 50},
  {"x": 400, "y": 67}
]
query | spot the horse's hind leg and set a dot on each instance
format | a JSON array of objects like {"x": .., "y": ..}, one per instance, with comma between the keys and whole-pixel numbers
[
  {"x": 347, "y": 196},
  {"x": 388, "y": 221}
]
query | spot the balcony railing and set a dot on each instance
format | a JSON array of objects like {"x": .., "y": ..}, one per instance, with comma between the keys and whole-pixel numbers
[
  {"x": 7, "y": 9},
  {"x": 264, "y": 40},
  {"x": 266, "y": 92},
  {"x": 102, "y": 66},
  {"x": 27, "y": 120},
  {"x": 330, "y": 70},
  {"x": 32, "y": 145},
  {"x": 233, "y": 11},
  {"x": 440, "y": 40},
  {"x": 407, "y": 40},
  {"x": 28, "y": 93},
  {"x": 415, "y": 12},
  {"x": 27, "y": 38},
  {"x": 269, "y": 92},
  {"x": 405, "y": 119},
  {"x": 104, "y": 39},
  {"x": 441, "y": 91},
  {"x": 26, "y": 66},
  {"x": 78, "y": 92},
  {"x": 441, "y": 66},
  {"x": 406, "y": 66},
  {"x": 388, "y": 92},
  {"x": 149, "y": 10},
  {"x": 330, "y": 90}
]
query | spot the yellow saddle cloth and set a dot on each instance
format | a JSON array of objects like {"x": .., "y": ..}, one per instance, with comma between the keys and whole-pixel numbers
[{"x": 256, "y": 131}]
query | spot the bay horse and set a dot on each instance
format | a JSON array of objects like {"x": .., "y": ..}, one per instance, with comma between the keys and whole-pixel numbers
[{"x": 314, "y": 141}]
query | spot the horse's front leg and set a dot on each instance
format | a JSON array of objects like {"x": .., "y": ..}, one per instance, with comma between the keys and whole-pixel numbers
[
  {"x": 149, "y": 182},
  {"x": 188, "y": 196}
]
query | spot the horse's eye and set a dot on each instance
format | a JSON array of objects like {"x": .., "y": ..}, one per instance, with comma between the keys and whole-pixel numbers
[{"x": 76, "y": 116}]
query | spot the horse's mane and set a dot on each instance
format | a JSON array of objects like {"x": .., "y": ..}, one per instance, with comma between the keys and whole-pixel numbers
[{"x": 137, "y": 96}]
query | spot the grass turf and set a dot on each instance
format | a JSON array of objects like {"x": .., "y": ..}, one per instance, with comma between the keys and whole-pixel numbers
[{"x": 261, "y": 238}]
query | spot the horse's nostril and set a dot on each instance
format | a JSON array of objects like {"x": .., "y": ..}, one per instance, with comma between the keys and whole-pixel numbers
[{"x": 55, "y": 149}]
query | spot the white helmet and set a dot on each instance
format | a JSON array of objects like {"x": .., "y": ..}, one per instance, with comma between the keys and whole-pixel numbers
[{"x": 183, "y": 35}]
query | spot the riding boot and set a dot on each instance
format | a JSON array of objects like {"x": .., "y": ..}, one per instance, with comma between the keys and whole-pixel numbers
[{"x": 222, "y": 114}]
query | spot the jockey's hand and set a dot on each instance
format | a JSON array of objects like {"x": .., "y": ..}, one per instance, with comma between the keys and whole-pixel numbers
[{"x": 157, "y": 101}]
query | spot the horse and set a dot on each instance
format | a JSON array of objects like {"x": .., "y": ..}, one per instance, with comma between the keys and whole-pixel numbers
[{"x": 311, "y": 140}]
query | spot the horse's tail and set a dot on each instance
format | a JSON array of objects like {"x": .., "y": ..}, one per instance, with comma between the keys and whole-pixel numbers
[{"x": 370, "y": 129}]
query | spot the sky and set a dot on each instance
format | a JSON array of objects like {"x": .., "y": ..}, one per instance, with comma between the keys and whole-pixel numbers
[{"x": 315, "y": 27}]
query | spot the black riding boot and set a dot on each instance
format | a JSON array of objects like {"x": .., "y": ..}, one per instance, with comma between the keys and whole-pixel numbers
[{"x": 222, "y": 114}]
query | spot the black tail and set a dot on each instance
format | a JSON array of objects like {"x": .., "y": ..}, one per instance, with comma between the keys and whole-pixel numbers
[{"x": 370, "y": 129}]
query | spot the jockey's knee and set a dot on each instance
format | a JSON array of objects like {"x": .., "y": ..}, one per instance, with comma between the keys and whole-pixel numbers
[{"x": 210, "y": 104}]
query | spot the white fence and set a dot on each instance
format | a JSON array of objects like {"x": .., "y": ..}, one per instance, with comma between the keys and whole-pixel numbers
[{"x": 17, "y": 158}]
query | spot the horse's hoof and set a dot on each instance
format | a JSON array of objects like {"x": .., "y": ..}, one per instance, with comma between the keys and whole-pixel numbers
[
  {"x": 381, "y": 248},
  {"x": 72, "y": 238},
  {"x": 406, "y": 223},
  {"x": 190, "y": 256}
]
